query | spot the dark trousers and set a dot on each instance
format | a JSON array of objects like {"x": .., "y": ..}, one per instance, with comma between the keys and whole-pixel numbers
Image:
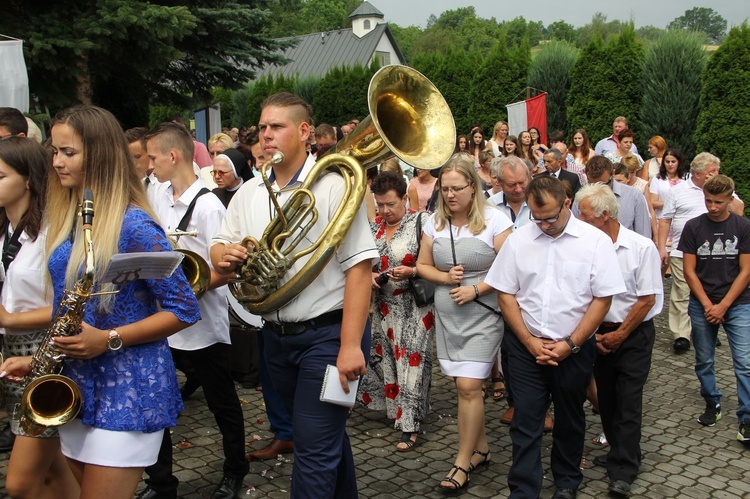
[
  {"x": 211, "y": 364},
  {"x": 534, "y": 386},
  {"x": 323, "y": 460},
  {"x": 278, "y": 416},
  {"x": 620, "y": 377}
]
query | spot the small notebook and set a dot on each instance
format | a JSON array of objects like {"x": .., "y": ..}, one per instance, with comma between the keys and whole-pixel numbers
[{"x": 332, "y": 392}]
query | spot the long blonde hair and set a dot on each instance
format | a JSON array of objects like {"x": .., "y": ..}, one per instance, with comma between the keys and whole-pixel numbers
[
  {"x": 464, "y": 164},
  {"x": 109, "y": 171}
]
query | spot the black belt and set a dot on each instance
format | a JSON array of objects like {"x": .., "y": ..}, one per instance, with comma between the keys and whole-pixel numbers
[
  {"x": 608, "y": 327},
  {"x": 292, "y": 328}
]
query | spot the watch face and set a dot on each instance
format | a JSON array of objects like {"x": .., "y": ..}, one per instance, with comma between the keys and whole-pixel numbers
[{"x": 115, "y": 343}]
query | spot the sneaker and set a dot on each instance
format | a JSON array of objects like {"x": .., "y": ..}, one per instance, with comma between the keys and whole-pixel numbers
[
  {"x": 711, "y": 415},
  {"x": 743, "y": 435}
]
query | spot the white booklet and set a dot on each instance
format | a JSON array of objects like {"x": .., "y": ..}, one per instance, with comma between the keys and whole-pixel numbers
[
  {"x": 332, "y": 392},
  {"x": 127, "y": 267}
]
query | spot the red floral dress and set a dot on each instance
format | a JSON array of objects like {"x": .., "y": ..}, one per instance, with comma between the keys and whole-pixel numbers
[{"x": 400, "y": 371}]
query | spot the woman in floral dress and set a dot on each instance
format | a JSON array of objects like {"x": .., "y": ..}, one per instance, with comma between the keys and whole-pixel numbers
[{"x": 400, "y": 371}]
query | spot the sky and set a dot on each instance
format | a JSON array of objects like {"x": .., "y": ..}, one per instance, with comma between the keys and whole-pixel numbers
[{"x": 575, "y": 12}]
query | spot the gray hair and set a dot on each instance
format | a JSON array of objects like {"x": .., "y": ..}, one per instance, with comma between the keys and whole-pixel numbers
[
  {"x": 513, "y": 163},
  {"x": 554, "y": 152},
  {"x": 601, "y": 198},
  {"x": 702, "y": 160}
]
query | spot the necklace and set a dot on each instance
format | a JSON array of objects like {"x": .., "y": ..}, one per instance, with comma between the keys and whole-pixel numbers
[{"x": 393, "y": 225}]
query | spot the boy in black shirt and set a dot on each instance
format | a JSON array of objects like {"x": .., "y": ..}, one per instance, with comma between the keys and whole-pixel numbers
[{"x": 716, "y": 248}]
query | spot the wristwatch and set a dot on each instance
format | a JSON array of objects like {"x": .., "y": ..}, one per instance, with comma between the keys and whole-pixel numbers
[
  {"x": 115, "y": 341},
  {"x": 573, "y": 347}
]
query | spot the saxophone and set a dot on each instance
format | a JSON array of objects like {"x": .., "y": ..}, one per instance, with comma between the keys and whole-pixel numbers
[{"x": 50, "y": 399}]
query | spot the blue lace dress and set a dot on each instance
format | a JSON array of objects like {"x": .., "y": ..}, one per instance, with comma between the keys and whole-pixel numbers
[{"x": 134, "y": 388}]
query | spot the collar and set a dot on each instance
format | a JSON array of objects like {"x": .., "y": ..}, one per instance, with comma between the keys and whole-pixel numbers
[
  {"x": 616, "y": 187},
  {"x": 692, "y": 185},
  {"x": 299, "y": 176},
  {"x": 238, "y": 185},
  {"x": 187, "y": 197},
  {"x": 623, "y": 239},
  {"x": 572, "y": 228}
]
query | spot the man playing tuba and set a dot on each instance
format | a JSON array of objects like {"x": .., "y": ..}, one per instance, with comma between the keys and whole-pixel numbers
[{"x": 326, "y": 323}]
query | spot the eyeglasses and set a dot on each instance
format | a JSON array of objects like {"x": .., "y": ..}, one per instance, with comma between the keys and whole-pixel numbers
[
  {"x": 548, "y": 220},
  {"x": 454, "y": 190},
  {"x": 218, "y": 173}
]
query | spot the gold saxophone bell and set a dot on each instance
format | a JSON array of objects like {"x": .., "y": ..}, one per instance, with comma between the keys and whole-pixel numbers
[
  {"x": 410, "y": 119},
  {"x": 49, "y": 400},
  {"x": 195, "y": 267}
]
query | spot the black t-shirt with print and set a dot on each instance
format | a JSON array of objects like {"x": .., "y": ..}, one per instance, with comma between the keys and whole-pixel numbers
[{"x": 717, "y": 246}]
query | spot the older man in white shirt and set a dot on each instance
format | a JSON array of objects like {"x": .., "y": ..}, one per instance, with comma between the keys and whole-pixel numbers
[
  {"x": 556, "y": 279},
  {"x": 625, "y": 339}
]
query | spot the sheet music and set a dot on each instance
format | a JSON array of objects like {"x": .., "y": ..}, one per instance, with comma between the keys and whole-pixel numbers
[{"x": 126, "y": 267}]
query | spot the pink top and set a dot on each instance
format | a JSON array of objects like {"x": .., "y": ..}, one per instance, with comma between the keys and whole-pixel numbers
[{"x": 424, "y": 191}]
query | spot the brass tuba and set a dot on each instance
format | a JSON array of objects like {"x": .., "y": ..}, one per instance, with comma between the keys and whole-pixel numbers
[
  {"x": 50, "y": 399},
  {"x": 408, "y": 118},
  {"x": 195, "y": 267}
]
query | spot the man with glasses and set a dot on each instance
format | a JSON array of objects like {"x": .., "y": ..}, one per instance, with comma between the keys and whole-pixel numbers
[
  {"x": 12, "y": 122},
  {"x": 556, "y": 278},
  {"x": 634, "y": 213}
]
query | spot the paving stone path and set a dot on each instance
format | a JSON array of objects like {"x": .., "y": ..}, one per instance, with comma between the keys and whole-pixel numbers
[{"x": 682, "y": 459}]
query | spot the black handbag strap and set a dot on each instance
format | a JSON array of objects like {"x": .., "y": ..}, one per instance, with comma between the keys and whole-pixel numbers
[
  {"x": 11, "y": 246},
  {"x": 453, "y": 249},
  {"x": 419, "y": 232},
  {"x": 182, "y": 226}
]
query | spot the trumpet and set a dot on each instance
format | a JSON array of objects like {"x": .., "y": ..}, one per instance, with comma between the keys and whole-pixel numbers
[{"x": 195, "y": 267}]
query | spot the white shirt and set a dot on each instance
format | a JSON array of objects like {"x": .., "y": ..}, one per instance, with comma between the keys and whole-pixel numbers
[
  {"x": 640, "y": 267},
  {"x": 23, "y": 290},
  {"x": 206, "y": 219},
  {"x": 555, "y": 280},
  {"x": 251, "y": 211},
  {"x": 684, "y": 202}
]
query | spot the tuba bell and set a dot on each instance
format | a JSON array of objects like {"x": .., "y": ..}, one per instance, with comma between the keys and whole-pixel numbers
[
  {"x": 410, "y": 119},
  {"x": 195, "y": 267}
]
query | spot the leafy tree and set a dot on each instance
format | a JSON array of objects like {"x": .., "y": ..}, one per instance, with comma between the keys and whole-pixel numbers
[
  {"x": 649, "y": 33},
  {"x": 550, "y": 71},
  {"x": 342, "y": 94},
  {"x": 724, "y": 120},
  {"x": 259, "y": 90},
  {"x": 560, "y": 30},
  {"x": 671, "y": 81},
  {"x": 240, "y": 115},
  {"x": 598, "y": 27},
  {"x": 606, "y": 83},
  {"x": 702, "y": 19},
  {"x": 518, "y": 29},
  {"x": 406, "y": 38},
  {"x": 224, "y": 97},
  {"x": 454, "y": 79},
  {"x": 499, "y": 80},
  {"x": 306, "y": 88},
  {"x": 123, "y": 53}
]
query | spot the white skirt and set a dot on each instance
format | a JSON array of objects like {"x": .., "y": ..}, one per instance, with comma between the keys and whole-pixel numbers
[
  {"x": 465, "y": 369},
  {"x": 114, "y": 449}
]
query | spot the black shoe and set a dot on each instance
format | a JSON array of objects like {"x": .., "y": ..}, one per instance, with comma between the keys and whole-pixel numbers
[
  {"x": 620, "y": 488},
  {"x": 228, "y": 488},
  {"x": 711, "y": 415},
  {"x": 565, "y": 494},
  {"x": 681, "y": 345},
  {"x": 189, "y": 388},
  {"x": 601, "y": 460},
  {"x": 6, "y": 439},
  {"x": 149, "y": 493}
]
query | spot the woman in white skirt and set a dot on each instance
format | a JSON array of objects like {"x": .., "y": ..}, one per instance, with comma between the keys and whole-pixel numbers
[
  {"x": 459, "y": 244},
  {"x": 120, "y": 360}
]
